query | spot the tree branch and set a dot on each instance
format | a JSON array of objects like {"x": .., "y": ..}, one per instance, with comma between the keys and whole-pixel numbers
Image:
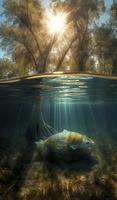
[
  {"x": 26, "y": 24},
  {"x": 64, "y": 53},
  {"x": 31, "y": 54},
  {"x": 41, "y": 66}
]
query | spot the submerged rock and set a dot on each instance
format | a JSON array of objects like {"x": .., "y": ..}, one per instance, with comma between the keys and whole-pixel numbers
[{"x": 65, "y": 146}]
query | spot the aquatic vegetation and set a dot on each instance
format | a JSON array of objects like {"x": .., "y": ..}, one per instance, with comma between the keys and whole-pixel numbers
[{"x": 94, "y": 185}]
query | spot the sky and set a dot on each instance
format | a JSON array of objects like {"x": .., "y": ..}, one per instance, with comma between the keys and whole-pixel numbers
[
  {"x": 105, "y": 17},
  {"x": 46, "y": 2}
]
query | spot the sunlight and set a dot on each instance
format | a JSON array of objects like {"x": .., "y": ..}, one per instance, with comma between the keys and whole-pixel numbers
[{"x": 56, "y": 23}]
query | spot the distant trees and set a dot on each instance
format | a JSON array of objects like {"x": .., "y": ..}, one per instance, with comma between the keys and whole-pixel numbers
[
  {"x": 9, "y": 69},
  {"x": 105, "y": 49},
  {"x": 101, "y": 49},
  {"x": 104, "y": 45},
  {"x": 113, "y": 25},
  {"x": 113, "y": 16}
]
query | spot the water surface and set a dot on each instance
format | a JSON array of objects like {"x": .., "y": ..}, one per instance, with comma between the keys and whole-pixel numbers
[{"x": 34, "y": 109}]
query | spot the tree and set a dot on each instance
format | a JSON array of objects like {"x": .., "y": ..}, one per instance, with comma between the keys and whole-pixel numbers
[
  {"x": 113, "y": 25},
  {"x": 105, "y": 49},
  {"x": 113, "y": 17},
  {"x": 8, "y": 68},
  {"x": 81, "y": 16},
  {"x": 104, "y": 44},
  {"x": 25, "y": 36}
]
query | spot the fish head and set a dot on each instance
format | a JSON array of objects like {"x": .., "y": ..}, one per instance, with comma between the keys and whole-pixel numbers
[
  {"x": 82, "y": 142},
  {"x": 87, "y": 142}
]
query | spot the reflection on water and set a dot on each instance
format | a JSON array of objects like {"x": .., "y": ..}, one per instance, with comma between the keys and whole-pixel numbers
[{"x": 36, "y": 109}]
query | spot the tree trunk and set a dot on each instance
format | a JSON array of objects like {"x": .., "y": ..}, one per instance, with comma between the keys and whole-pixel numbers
[
  {"x": 42, "y": 60},
  {"x": 64, "y": 54}
]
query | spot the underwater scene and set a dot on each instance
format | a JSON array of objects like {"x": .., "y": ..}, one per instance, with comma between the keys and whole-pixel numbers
[{"x": 58, "y": 138}]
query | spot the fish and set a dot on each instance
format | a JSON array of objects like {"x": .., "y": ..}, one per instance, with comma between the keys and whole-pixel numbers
[{"x": 64, "y": 146}]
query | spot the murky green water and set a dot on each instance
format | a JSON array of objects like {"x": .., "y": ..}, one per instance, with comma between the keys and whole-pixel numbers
[{"x": 31, "y": 110}]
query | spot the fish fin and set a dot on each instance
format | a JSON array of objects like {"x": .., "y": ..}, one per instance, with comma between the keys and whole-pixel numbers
[
  {"x": 65, "y": 131},
  {"x": 38, "y": 142},
  {"x": 74, "y": 146}
]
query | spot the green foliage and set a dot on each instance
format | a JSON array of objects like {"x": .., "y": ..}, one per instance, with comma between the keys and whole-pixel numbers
[
  {"x": 20, "y": 32},
  {"x": 105, "y": 49},
  {"x": 8, "y": 69},
  {"x": 81, "y": 17},
  {"x": 25, "y": 37}
]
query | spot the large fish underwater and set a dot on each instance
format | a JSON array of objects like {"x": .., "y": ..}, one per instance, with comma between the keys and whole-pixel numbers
[{"x": 65, "y": 146}]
